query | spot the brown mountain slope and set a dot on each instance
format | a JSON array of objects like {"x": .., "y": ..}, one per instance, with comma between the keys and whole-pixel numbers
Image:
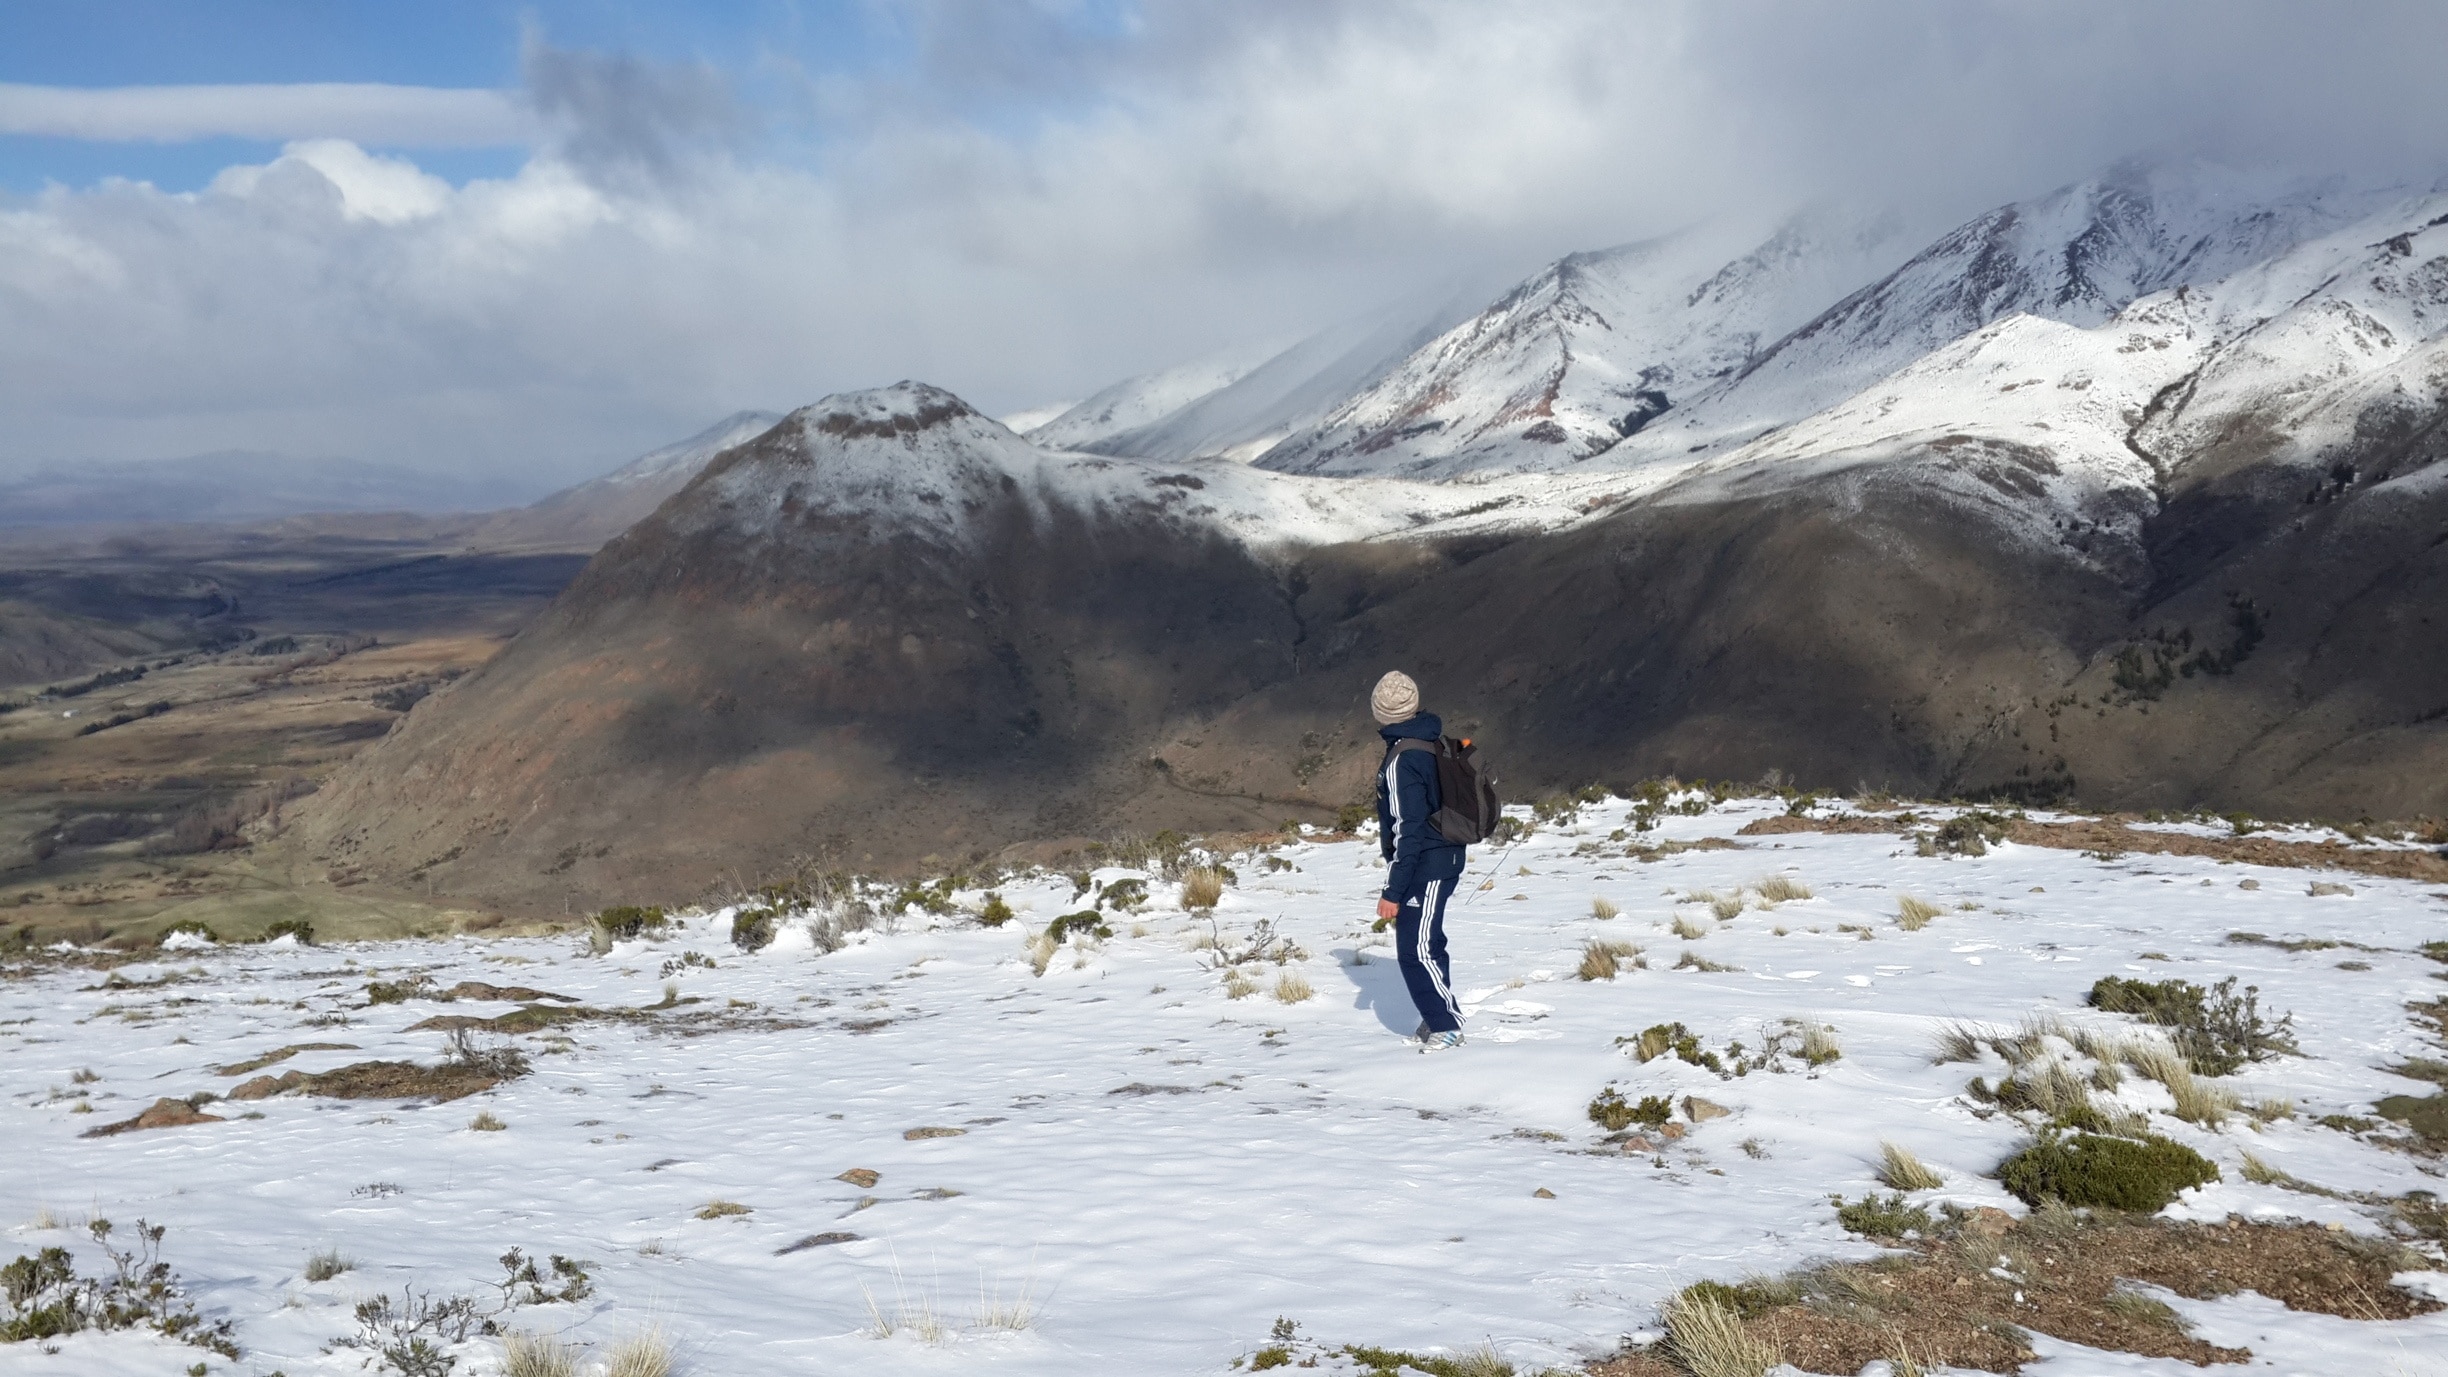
[{"x": 879, "y": 635}]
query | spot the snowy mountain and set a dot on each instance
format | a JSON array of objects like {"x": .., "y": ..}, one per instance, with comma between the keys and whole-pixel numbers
[
  {"x": 1594, "y": 348},
  {"x": 1589, "y": 357},
  {"x": 1137, "y": 402},
  {"x": 587, "y": 515},
  {"x": 2179, "y": 466},
  {"x": 1288, "y": 392}
]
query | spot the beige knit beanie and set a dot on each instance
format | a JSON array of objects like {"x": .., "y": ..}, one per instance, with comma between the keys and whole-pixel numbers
[{"x": 1395, "y": 699}]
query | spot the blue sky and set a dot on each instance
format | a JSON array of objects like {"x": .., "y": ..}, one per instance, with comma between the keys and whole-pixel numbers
[
  {"x": 434, "y": 43},
  {"x": 539, "y": 238}
]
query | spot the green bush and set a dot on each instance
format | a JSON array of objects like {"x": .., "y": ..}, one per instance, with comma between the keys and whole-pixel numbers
[
  {"x": 1612, "y": 1112},
  {"x": 995, "y": 913},
  {"x": 1123, "y": 894},
  {"x": 629, "y": 922},
  {"x": 1750, "y": 1299},
  {"x": 298, "y": 928},
  {"x": 42, "y": 1297},
  {"x": 1971, "y": 834},
  {"x": 1872, "y": 1217},
  {"x": 2217, "y": 1030},
  {"x": 1350, "y": 816},
  {"x": 2114, "y": 1173},
  {"x": 195, "y": 926},
  {"x": 398, "y": 991},
  {"x": 752, "y": 929},
  {"x": 1659, "y": 1039},
  {"x": 1086, "y": 920}
]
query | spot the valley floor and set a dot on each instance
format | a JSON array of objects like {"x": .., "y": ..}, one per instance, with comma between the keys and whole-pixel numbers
[{"x": 1132, "y": 1172}]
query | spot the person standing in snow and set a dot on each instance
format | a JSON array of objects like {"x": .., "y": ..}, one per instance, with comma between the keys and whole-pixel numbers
[{"x": 1422, "y": 867}]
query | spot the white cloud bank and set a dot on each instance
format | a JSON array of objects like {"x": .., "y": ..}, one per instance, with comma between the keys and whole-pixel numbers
[
  {"x": 397, "y": 116},
  {"x": 1030, "y": 212}
]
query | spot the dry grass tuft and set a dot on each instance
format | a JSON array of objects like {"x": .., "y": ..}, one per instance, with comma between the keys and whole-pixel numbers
[
  {"x": 1900, "y": 1170},
  {"x": 643, "y": 1354},
  {"x": 1913, "y": 914},
  {"x": 1606, "y": 960},
  {"x": 327, "y": 1264},
  {"x": 1690, "y": 931},
  {"x": 1958, "y": 1042},
  {"x": 2199, "y": 1102},
  {"x": 1779, "y": 889},
  {"x": 1726, "y": 910},
  {"x": 1710, "y": 1340},
  {"x": 1819, "y": 1044},
  {"x": 1202, "y": 888},
  {"x": 486, "y": 1122},
  {"x": 1041, "y": 950},
  {"x": 1292, "y": 988},
  {"x": 1602, "y": 910},
  {"x": 722, "y": 1209},
  {"x": 538, "y": 1355},
  {"x": 1239, "y": 986}
]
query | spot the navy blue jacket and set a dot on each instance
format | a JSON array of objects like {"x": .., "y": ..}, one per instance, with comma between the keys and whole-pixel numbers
[{"x": 1406, "y": 797}]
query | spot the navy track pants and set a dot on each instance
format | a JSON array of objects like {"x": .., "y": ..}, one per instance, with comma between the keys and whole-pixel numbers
[{"x": 1419, "y": 946}]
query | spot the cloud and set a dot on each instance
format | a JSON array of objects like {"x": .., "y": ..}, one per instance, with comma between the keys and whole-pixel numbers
[
  {"x": 393, "y": 116},
  {"x": 1042, "y": 198}
]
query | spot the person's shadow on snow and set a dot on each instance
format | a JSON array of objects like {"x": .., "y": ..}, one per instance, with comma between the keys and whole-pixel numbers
[{"x": 1377, "y": 986}]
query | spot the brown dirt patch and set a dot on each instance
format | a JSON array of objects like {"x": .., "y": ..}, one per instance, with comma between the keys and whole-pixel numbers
[
  {"x": 1779, "y": 826},
  {"x": 2114, "y": 835},
  {"x": 401, "y": 1080},
  {"x": 1947, "y": 1302},
  {"x": 164, "y": 1114},
  {"x": 265, "y": 1087},
  {"x": 240, "y": 1068},
  {"x": 506, "y": 994},
  {"x": 529, "y": 1018}
]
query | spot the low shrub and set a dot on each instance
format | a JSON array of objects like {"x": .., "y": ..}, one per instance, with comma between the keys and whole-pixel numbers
[
  {"x": 2115, "y": 1173},
  {"x": 398, "y": 991},
  {"x": 628, "y": 922},
  {"x": 752, "y": 929},
  {"x": 327, "y": 1264},
  {"x": 193, "y": 927},
  {"x": 42, "y": 1297},
  {"x": 1970, "y": 834},
  {"x": 1659, "y": 1039},
  {"x": 1872, "y": 1217},
  {"x": 1612, "y": 1112},
  {"x": 1087, "y": 920},
  {"x": 994, "y": 913},
  {"x": 1123, "y": 895},
  {"x": 2216, "y": 1030},
  {"x": 298, "y": 928}
]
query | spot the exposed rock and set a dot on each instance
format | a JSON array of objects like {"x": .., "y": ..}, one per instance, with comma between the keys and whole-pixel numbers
[
  {"x": 860, "y": 1177},
  {"x": 825, "y": 1240},
  {"x": 165, "y": 1113},
  {"x": 1542, "y": 1193},
  {"x": 1700, "y": 1111},
  {"x": 918, "y": 1134},
  {"x": 281, "y": 1055},
  {"x": 265, "y": 1087},
  {"x": 508, "y": 994}
]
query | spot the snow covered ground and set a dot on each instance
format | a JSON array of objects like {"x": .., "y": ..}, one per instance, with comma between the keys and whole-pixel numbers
[{"x": 1156, "y": 1172}]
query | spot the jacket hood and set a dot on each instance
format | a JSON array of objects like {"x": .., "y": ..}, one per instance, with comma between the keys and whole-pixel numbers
[{"x": 1425, "y": 726}]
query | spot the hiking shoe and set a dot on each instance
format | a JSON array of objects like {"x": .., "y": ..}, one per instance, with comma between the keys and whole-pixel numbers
[{"x": 1439, "y": 1042}]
